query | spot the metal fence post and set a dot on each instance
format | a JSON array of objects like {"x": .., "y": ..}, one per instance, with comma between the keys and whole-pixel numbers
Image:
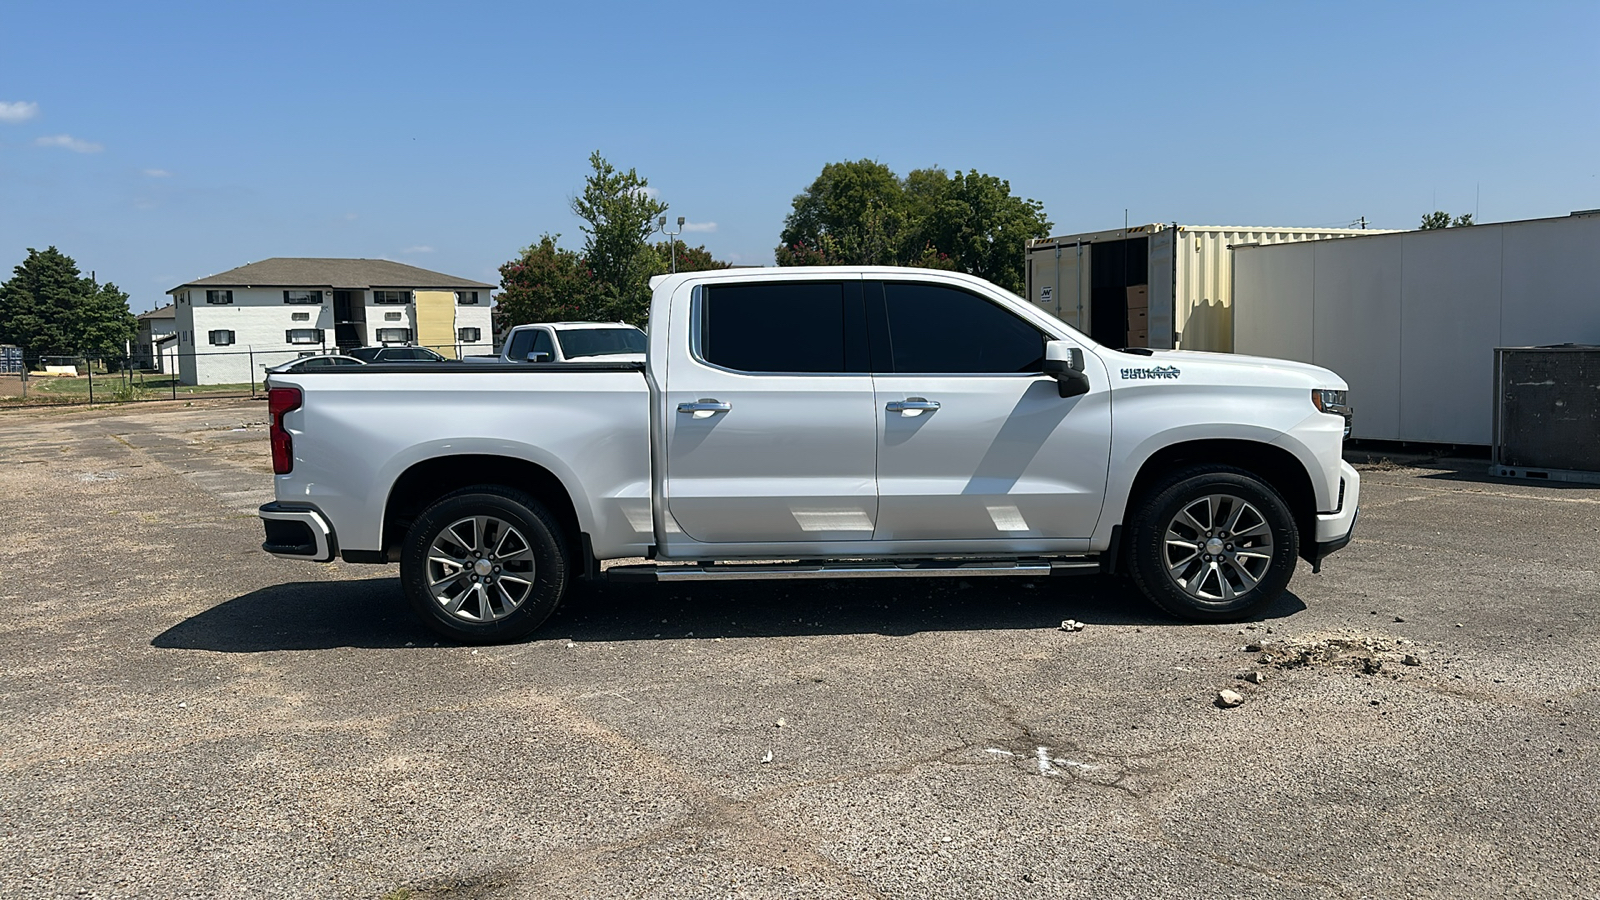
[
  {"x": 252, "y": 351},
  {"x": 89, "y": 364}
]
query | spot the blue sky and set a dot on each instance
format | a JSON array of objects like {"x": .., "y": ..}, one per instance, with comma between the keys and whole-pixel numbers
[{"x": 161, "y": 142}]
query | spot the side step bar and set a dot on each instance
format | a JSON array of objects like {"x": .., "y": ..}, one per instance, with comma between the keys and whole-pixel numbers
[{"x": 652, "y": 572}]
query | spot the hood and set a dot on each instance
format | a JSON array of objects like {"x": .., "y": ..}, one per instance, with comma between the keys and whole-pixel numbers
[{"x": 1228, "y": 368}]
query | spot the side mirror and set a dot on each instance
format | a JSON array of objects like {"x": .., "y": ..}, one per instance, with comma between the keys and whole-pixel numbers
[
  {"x": 539, "y": 356},
  {"x": 1064, "y": 363}
]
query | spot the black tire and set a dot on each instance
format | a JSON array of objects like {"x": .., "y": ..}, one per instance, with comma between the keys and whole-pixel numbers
[
  {"x": 484, "y": 612},
  {"x": 1240, "y": 574}
]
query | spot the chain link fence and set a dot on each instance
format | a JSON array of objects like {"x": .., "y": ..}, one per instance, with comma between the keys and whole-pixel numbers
[{"x": 27, "y": 380}]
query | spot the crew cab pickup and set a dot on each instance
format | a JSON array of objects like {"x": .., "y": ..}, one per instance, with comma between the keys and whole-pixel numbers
[
  {"x": 855, "y": 422},
  {"x": 574, "y": 342}
]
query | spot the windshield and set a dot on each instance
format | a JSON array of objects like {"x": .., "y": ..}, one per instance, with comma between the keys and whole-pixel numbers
[{"x": 600, "y": 342}]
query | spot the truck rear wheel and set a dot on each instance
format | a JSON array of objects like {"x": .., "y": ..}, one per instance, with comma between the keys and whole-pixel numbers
[
  {"x": 483, "y": 565},
  {"x": 1212, "y": 544}
]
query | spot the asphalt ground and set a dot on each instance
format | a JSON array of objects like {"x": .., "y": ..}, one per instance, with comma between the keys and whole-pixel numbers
[{"x": 184, "y": 716}]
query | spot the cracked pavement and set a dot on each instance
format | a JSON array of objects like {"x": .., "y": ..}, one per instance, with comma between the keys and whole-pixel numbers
[{"x": 181, "y": 715}]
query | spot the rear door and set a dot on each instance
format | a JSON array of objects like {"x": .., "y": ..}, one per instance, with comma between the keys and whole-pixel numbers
[
  {"x": 770, "y": 417},
  {"x": 974, "y": 442}
]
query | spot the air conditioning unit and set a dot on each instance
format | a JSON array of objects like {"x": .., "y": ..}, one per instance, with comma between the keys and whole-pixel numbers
[{"x": 1547, "y": 412}]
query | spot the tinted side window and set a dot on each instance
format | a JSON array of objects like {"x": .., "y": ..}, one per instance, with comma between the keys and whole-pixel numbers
[
  {"x": 941, "y": 330},
  {"x": 782, "y": 327},
  {"x": 541, "y": 344},
  {"x": 521, "y": 343}
]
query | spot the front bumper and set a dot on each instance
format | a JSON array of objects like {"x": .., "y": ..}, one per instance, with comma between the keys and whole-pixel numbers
[
  {"x": 296, "y": 532},
  {"x": 1335, "y": 528}
]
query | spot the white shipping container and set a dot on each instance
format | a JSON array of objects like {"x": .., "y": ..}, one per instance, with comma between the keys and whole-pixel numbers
[
  {"x": 1188, "y": 269},
  {"x": 1411, "y": 319}
]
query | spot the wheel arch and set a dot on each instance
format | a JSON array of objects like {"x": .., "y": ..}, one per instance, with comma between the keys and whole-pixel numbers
[
  {"x": 1272, "y": 464},
  {"x": 419, "y": 486}
]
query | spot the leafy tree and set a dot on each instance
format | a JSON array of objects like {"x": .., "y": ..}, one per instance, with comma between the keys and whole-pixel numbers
[
  {"x": 1441, "y": 219},
  {"x": 976, "y": 222},
  {"x": 854, "y": 213},
  {"x": 619, "y": 216},
  {"x": 49, "y": 308},
  {"x": 690, "y": 259},
  {"x": 610, "y": 280},
  {"x": 860, "y": 212},
  {"x": 548, "y": 284}
]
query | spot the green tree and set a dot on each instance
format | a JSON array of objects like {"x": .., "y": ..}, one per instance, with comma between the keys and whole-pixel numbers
[
  {"x": 690, "y": 259},
  {"x": 854, "y": 213},
  {"x": 861, "y": 213},
  {"x": 976, "y": 222},
  {"x": 548, "y": 284},
  {"x": 1441, "y": 219},
  {"x": 619, "y": 216},
  {"x": 49, "y": 308}
]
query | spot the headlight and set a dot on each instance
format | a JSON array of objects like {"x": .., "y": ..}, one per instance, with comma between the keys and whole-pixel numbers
[{"x": 1334, "y": 403}]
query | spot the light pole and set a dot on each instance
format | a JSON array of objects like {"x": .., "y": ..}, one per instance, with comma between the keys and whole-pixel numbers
[{"x": 672, "y": 240}]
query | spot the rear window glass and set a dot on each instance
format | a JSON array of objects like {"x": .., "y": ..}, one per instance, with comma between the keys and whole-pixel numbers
[{"x": 600, "y": 341}]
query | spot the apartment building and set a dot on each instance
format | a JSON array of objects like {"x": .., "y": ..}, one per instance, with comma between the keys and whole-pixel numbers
[{"x": 233, "y": 324}]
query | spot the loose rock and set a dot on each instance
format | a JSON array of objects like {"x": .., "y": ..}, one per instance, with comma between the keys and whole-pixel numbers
[
  {"x": 1072, "y": 625},
  {"x": 1412, "y": 660},
  {"x": 1256, "y": 677},
  {"x": 1229, "y": 699}
]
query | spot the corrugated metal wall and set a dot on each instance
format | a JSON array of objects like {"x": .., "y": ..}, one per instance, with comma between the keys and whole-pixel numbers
[
  {"x": 1192, "y": 277},
  {"x": 1204, "y": 314}
]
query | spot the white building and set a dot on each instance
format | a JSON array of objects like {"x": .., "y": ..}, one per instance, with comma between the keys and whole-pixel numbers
[
  {"x": 233, "y": 325},
  {"x": 156, "y": 327},
  {"x": 1411, "y": 320}
]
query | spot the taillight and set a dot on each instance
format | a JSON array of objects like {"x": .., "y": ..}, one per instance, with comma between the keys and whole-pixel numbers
[{"x": 282, "y": 400}]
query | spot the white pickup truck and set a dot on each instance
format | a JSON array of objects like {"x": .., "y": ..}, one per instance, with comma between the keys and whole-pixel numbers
[
  {"x": 817, "y": 422},
  {"x": 574, "y": 342}
]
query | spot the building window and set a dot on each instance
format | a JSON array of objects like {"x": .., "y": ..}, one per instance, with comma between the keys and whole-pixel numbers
[
  {"x": 394, "y": 335},
  {"x": 391, "y": 296},
  {"x": 303, "y": 336},
  {"x": 300, "y": 317},
  {"x": 219, "y": 298},
  {"x": 391, "y": 317},
  {"x": 469, "y": 335},
  {"x": 182, "y": 296},
  {"x": 221, "y": 338},
  {"x": 302, "y": 297},
  {"x": 467, "y": 298}
]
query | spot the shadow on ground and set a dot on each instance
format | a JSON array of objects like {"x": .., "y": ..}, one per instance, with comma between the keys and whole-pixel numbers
[{"x": 372, "y": 613}]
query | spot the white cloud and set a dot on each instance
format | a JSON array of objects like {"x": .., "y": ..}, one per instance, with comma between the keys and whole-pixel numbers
[
  {"x": 351, "y": 217},
  {"x": 68, "y": 142},
  {"x": 650, "y": 192},
  {"x": 158, "y": 173},
  {"x": 20, "y": 111},
  {"x": 420, "y": 248},
  {"x": 692, "y": 227}
]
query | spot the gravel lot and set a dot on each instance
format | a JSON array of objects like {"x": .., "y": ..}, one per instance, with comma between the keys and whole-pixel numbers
[{"x": 181, "y": 715}]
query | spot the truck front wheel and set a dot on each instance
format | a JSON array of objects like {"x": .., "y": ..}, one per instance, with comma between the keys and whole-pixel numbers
[
  {"x": 1212, "y": 544},
  {"x": 484, "y": 564}
]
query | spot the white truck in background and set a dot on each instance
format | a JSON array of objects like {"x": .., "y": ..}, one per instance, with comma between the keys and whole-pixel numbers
[
  {"x": 867, "y": 422},
  {"x": 574, "y": 342}
]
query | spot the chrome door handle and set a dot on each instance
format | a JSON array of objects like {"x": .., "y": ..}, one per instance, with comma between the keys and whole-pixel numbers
[
  {"x": 912, "y": 406},
  {"x": 704, "y": 408}
]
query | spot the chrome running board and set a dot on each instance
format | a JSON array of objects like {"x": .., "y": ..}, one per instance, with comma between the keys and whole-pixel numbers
[{"x": 927, "y": 568}]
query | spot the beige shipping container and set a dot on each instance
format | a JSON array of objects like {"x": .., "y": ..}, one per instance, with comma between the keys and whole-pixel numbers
[{"x": 1187, "y": 270}]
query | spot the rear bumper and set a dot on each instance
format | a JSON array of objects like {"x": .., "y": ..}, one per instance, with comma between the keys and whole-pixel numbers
[
  {"x": 295, "y": 532},
  {"x": 1335, "y": 528}
]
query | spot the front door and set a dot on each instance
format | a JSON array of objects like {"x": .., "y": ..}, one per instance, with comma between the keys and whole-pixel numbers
[
  {"x": 349, "y": 319},
  {"x": 770, "y": 421},
  {"x": 974, "y": 443}
]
